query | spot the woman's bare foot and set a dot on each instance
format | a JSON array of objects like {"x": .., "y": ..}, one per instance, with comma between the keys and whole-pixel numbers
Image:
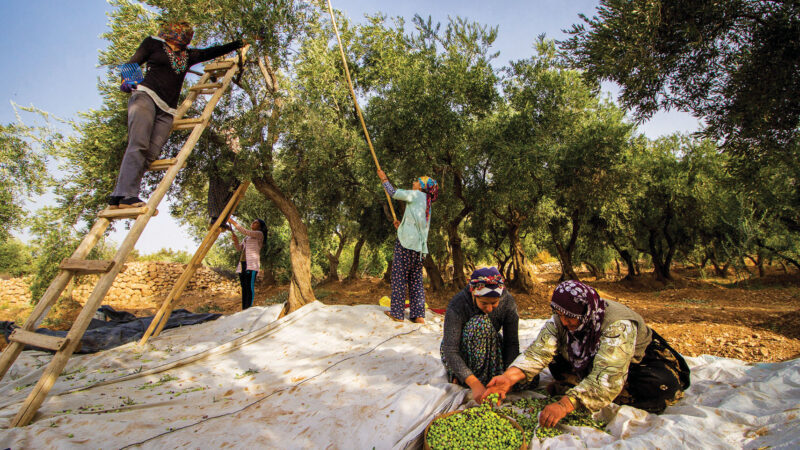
[
  {"x": 389, "y": 315},
  {"x": 418, "y": 320}
]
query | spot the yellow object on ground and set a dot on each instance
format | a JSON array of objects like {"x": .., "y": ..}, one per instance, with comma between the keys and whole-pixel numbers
[{"x": 386, "y": 302}]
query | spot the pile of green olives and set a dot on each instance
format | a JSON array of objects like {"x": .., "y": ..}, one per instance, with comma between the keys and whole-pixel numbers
[
  {"x": 529, "y": 416},
  {"x": 475, "y": 428}
]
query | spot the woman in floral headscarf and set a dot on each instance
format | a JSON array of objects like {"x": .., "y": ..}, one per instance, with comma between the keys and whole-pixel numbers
[
  {"x": 473, "y": 348},
  {"x": 153, "y": 102},
  {"x": 411, "y": 246},
  {"x": 599, "y": 351}
]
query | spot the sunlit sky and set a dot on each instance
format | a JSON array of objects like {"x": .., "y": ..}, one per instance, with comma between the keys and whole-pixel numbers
[{"x": 49, "y": 59}]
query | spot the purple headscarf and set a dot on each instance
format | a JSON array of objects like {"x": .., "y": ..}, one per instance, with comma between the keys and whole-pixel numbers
[{"x": 577, "y": 300}]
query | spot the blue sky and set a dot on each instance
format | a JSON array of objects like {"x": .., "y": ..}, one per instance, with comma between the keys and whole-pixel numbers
[{"x": 50, "y": 50}]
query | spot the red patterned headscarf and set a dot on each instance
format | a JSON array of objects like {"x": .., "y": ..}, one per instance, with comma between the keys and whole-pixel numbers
[
  {"x": 179, "y": 33},
  {"x": 580, "y": 301},
  {"x": 486, "y": 282}
]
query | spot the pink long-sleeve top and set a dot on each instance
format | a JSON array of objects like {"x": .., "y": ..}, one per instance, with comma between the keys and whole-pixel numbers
[{"x": 253, "y": 240}]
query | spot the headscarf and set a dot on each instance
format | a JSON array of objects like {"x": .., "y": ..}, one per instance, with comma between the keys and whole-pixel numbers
[
  {"x": 178, "y": 33},
  {"x": 486, "y": 282},
  {"x": 577, "y": 300},
  {"x": 429, "y": 186}
]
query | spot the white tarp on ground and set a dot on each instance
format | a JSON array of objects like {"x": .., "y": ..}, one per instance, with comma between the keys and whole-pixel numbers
[{"x": 346, "y": 377}]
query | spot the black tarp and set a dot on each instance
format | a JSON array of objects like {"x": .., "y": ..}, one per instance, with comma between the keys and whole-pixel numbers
[{"x": 118, "y": 328}]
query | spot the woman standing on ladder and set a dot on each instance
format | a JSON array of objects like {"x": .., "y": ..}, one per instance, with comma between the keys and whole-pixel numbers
[
  {"x": 250, "y": 259},
  {"x": 153, "y": 102},
  {"x": 411, "y": 246}
]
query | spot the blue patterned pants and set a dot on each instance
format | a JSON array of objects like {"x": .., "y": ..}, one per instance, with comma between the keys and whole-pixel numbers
[{"x": 407, "y": 276}]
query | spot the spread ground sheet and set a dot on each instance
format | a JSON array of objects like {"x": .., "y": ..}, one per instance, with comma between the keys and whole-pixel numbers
[{"x": 347, "y": 377}]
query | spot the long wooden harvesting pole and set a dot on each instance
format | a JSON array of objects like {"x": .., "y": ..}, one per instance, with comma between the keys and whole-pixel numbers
[{"x": 355, "y": 101}]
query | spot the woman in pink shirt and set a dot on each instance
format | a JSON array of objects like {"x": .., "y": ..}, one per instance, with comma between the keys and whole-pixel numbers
[{"x": 249, "y": 261}]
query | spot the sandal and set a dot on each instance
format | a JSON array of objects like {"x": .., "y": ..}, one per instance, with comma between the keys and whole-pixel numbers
[{"x": 389, "y": 315}]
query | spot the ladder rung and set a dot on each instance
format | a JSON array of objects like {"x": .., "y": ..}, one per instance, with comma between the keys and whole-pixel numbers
[
  {"x": 124, "y": 213},
  {"x": 85, "y": 266},
  {"x": 162, "y": 164},
  {"x": 206, "y": 86},
  {"x": 185, "y": 124},
  {"x": 218, "y": 66},
  {"x": 38, "y": 340}
]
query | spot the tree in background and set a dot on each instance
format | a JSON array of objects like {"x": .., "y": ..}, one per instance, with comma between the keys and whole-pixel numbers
[
  {"x": 16, "y": 258},
  {"x": 23, "y": 171},
  {"x": 732, "y": 63},
  {"x": 438, "y": 83}
]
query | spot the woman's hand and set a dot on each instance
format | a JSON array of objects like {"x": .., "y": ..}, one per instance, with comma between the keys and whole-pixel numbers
[
  {"x": 554, "y": 412},
  {"x": 477, "y": 388},
  {"x": 500, "y": 384},
  {"x": 396, "y": 223},
  {"x": 382, "y": 176}
]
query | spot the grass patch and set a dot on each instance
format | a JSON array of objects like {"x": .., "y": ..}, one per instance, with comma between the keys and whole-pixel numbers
[
  {"x": 282, "y": 297},
  {"x": 246, "y": 373},
  {"x": 322, "y": 293},
  {"x": 209, "y": 308},
  {"x": 152, "y": 385}
]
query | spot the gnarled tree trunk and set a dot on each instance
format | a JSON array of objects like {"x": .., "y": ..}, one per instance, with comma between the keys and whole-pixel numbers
[
  {"x": 434, "y": 275},
  {"x": 356, "y": 259},
  {"x": 565, "y": 251},
  {"x": 454, "y": 239},
  {"x": 300, "y": 290},
  {"x": 387, "y": 276},
  {"x": 661, "y": 260},
  {"x": 523, "y": 275},
  {"x": 597, "y": 273},
  {"x": 459, "y": 279},
  {"x": 625, "y": 255},
  {"x": 333, "y": 259}
]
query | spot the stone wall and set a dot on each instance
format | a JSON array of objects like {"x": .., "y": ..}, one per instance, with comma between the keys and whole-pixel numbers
[
  {"x": 13, "y": 289},
  {"x": 138, "y": 281}
]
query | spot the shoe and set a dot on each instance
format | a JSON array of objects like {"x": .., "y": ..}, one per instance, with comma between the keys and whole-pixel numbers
[
  {"x": 224, "y": 225},
  {"x": 113, "y": 201},
  {"x": 131, "y": 202},
  {"x": 389, "y": 315}
]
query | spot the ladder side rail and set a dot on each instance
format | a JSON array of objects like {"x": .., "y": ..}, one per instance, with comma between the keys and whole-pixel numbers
[
  {"x": 190, "y": 98},
  {"x": 161, "y": 318},
  {"x": 13, "y": 349},
  {"x": 60, "y": 359}
]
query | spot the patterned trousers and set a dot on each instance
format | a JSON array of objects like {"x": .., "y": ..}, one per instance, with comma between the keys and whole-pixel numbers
[
  {"x": 407, "y": 277},
  {"x": 480, "y": 349}
]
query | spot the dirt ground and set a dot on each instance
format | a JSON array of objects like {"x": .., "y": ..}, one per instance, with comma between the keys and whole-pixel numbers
[{"x": 755, "y": 320}]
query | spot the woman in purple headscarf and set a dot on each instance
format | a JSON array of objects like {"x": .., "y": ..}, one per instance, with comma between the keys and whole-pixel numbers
[
  {"x": 153, "y": 102},
  {"x": 598, "y": 351},
  {"x": 473, "y": 348}
]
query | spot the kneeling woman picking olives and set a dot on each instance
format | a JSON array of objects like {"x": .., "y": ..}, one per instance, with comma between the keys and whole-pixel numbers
[
  {"x": 598, "y": 351},
  {"x": 473, "y": 350}
]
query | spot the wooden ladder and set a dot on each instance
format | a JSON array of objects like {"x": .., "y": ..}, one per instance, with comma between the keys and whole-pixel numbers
[
  {"x": 77, "y": 264},
  {"x": 162, "y": 316}
]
